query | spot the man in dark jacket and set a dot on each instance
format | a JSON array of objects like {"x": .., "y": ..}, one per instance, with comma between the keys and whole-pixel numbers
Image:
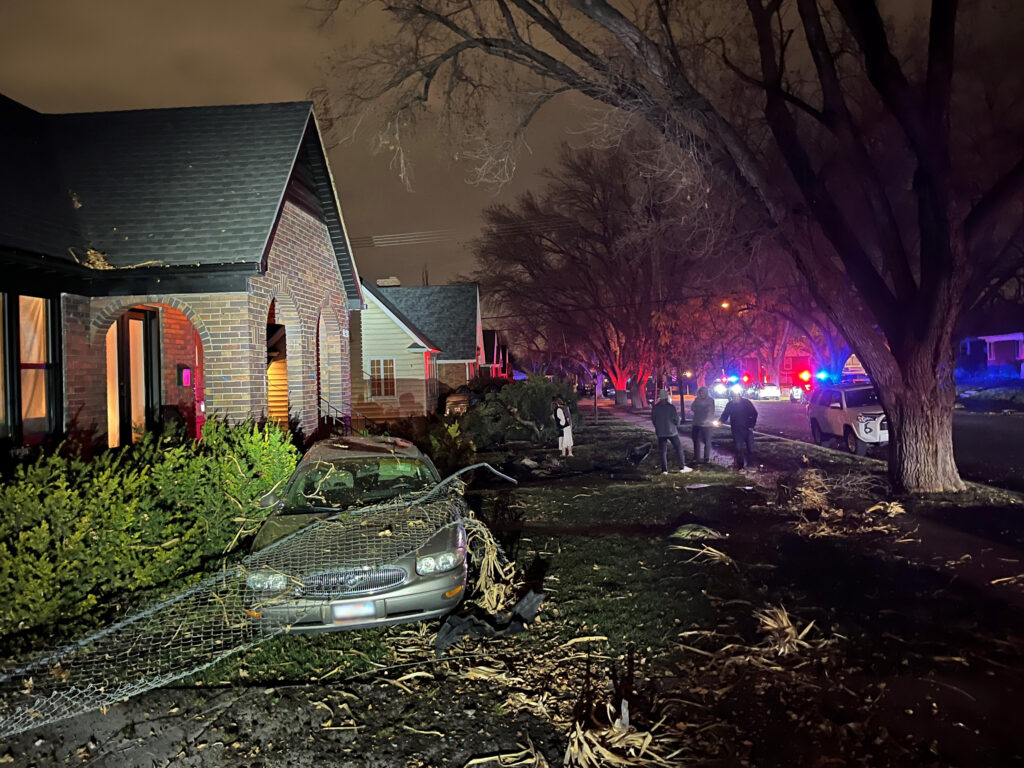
[
  {"x": 703, "y": 407},
  {"x": 666, "y": 426},
  {"x": 741, "y": 415}
]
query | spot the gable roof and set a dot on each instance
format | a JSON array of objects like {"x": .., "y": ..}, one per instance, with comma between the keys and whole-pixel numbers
[
  {"x": 159, "y": 188},
  {"x": 396, "y": 314},
  {"x": 448, "y": 314}
]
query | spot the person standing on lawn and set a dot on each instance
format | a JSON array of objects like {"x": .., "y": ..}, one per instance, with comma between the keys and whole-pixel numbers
[
  {"x": 703, "y": 409},
  {"x": 563, "y": 420},
  {"x": 741, "y": 415},
  {"x": 666, "y": 426}
]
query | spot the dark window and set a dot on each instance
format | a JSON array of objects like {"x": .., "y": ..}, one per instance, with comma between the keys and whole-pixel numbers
[{"x": 861, "y": 398}]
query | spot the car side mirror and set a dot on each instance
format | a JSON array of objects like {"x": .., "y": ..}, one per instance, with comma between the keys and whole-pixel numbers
[{"x": 269, "y": 500}]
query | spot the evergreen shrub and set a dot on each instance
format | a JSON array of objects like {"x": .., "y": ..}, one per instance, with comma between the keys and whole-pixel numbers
[{"x": 77, "y": 536}]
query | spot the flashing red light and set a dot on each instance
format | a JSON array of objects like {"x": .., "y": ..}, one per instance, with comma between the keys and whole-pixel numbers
[
  {"x": 805, "y": 375},
  {"x": 746, "y": 379}
]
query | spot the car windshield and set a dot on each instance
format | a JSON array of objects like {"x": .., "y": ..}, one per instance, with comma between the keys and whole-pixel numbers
[
  {"x": 355, "y": 482},
  {"x": 861, "y": 398}
]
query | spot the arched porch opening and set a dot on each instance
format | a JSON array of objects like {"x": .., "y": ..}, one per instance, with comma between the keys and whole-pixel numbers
[
  {"x": 154, "y": 373},
  {"x": 277, "y": 369}
]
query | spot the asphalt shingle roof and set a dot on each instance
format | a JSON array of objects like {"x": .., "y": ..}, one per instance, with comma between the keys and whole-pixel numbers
[
  {"x": 378, "y": 294},
  {"x": 167, "y": 187},
  {"x": 446, "y": 313}
]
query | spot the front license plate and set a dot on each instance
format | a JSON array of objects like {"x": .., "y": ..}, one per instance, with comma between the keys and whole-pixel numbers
[{"x": 350, "y": 611}]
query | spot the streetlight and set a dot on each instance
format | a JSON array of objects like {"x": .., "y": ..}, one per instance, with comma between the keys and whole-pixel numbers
[{"x": 724, "y": 305}]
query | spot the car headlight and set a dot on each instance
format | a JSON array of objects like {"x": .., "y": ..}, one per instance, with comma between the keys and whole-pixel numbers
[
  {"x": 737, "y": 388},
  {"x": 719, "y": 389},
  {"x": 863, "y": 418},
  {"x": 440, "y": 562},
  {"x": 266, "y": 581}
]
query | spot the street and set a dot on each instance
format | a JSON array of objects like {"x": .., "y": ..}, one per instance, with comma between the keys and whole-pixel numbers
[{"x": 989, "y": 448}]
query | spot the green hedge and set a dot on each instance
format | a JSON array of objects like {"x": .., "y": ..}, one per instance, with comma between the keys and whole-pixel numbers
[{"x": 76, "y": 535}]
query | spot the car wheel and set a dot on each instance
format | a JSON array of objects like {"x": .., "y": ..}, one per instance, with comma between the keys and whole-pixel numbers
[
  {"x": 854, "y": 444},
  {"x": 816, "y": 436}
]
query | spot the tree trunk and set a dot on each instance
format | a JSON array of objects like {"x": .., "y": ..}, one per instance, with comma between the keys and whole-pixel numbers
[
  {"x": 621, "y": 396},
  {"x": 921, "y": 442}
]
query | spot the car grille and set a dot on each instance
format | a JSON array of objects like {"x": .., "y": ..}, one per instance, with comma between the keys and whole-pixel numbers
[{"x": 351, "y": 581}]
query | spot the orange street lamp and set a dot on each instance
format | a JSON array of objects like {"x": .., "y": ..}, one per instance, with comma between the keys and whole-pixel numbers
[{"x": 725, "y": 305}]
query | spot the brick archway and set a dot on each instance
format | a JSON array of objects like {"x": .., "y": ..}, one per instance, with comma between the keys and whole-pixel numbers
[
  {"x": 332, "y": 354},
  {"x": 144, "y": 364}
]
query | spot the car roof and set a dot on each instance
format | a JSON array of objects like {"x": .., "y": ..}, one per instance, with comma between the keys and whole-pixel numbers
[{"x": 360, "y": 446}]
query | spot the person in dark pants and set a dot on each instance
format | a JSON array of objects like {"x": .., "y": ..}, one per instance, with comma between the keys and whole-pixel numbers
[
  {"x": 703, "y": 408},
  {"x": 741, "y": 415},
  {"x": 666, "y": 426}
]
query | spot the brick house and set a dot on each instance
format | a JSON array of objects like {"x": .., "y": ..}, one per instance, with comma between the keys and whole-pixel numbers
[{"x": 169, "y": 263}]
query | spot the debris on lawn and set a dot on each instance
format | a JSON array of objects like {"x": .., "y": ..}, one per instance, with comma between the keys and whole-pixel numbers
[
  {"x": 494, "y": 582},
  {"x": 803, "y": 491},
  {"x": 887, "y": 508},
  {"x": 692, "y": 532},
  {"x": 526, "y": 757},
  {"x": 504, "y": 624},
  {"x": 707, "y": 554},
  {"x": 827, "y": 505},
  {"x": 619, "y": 744},
  {"x": 783, "y": 637}
]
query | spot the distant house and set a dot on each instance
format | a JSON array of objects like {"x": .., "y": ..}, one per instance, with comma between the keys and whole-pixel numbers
[
  {"x": 169, "y": 264},
  {"x": 414, "y": 344},
  {"x": 394, "y": 363},
  {"x": 996, "y": 354},
  {"x": 450, "y": 315}
]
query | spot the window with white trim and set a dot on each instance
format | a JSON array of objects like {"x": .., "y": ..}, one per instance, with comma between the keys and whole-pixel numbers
[{"x": 382, "y": 378}]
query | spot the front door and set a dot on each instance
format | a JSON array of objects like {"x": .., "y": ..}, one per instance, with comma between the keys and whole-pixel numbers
[{"x": 133, "y": 370}]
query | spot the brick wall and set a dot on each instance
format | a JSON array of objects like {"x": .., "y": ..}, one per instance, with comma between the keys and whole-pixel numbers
[
  {"x": 452, "y": 375},
  {"x": 178, "y": 346},
  {"x": 301, "y": 278}
]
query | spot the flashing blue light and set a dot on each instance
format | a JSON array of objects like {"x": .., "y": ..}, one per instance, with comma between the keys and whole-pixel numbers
[
  {"x": 734, "y": 379},
  {"x": 821, "y": 375}
]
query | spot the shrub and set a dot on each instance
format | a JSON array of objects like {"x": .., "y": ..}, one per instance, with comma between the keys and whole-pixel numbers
[{"x": 76, "y": 535}]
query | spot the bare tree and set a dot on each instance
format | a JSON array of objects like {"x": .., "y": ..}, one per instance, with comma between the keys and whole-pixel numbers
[
  {"x": 836, "y": 129},
  {"x": 583, "y": 268}
]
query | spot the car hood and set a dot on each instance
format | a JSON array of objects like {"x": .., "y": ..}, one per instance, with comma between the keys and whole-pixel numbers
[{"x": 284, "y": 523}]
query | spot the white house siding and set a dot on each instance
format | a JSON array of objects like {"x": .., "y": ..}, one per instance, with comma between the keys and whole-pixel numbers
[{"x": 381, "y": 338}]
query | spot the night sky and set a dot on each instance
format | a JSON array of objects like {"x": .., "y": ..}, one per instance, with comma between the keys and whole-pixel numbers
[{"x": 58, "y": 56}]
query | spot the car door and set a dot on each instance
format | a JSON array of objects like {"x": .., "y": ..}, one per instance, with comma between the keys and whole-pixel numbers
[{"x": 832, "y": 399}]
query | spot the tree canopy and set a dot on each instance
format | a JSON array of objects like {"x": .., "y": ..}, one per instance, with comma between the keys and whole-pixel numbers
[{"x": 876, "y": 143}]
